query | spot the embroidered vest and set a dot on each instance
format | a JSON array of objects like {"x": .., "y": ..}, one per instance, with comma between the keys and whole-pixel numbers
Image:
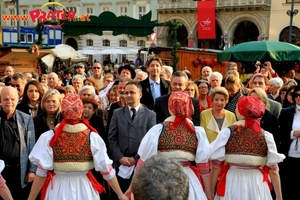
[
  {"x": 72, "y": 147},
  {"x": 245, "y": 141},
  {"x": 179, "y": 139}
]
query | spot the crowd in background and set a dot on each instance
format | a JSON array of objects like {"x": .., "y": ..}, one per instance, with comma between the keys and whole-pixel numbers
[{"x": 125, "y": 103}]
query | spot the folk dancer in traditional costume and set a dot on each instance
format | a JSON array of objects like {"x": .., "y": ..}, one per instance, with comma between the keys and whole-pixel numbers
[
  {"x": 178, "y": 139},
  {"x": 251, "y": 157},
  {"x": 72, "y": 150}
]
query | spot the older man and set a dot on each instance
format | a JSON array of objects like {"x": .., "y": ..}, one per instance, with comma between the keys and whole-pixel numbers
[
  {"x": 17, "y": 138},
  {"x": 97, "y": 74},
  {"x": 205, "y": 72},
  {"x": 215, "y": 79},
  {"x": 19, "y": 81},
  {"x": 80, "y": 69},
  {"x": 52, "y": 80},
  {"x": 9, "y": 71}
]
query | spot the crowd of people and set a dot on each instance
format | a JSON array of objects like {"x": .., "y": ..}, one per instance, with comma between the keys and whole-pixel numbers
[{"x": 135, "y": 134}]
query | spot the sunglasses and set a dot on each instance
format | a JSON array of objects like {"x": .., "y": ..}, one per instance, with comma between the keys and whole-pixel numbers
[
  {"x": 296, "y": 95},
  {"x": 96, "y": 67},
  {"x": 12, "y": 85}
]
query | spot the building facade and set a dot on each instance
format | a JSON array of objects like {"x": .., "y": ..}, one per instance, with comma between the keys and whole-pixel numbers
[{"x": 236, "y": 21}]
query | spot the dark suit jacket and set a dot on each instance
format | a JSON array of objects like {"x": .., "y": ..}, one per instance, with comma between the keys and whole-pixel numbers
[
  {"x": 65, "y": 82},
  {"x": 25, "y": 109},
  {"x": 162, "y": 111},
  {"x": 269, "y": 122},
  {"x": 147, "y": 98},
  {"x": 286, "y": 118},
  {"x": 125, "y": 135}
]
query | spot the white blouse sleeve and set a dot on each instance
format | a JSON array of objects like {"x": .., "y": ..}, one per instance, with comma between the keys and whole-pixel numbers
[
  {"x": 203, "y": 149},
  {"x": 273, "y": 156},
  {"x": 149, "y": 143},
  {"x": 102, "y": 162},
  {"x": 42, "y": 153},
  {"x": 2, "y": 164},
  {"x": 217, "y": 147}
]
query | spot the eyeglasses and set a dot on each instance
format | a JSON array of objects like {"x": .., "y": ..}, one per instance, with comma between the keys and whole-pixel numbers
[
  {"x": 296, "y": 95},
  {"x": 12, "y": 85},
  {"x": 96, "y": 67}
]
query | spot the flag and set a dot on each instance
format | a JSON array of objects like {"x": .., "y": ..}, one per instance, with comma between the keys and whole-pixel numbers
[{"x": 206, "y": 13}]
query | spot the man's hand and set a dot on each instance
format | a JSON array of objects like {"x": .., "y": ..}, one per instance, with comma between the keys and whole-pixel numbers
[
  {"x": 29, "y": 177},
  {"x": 132, "y": 161},
  {"x": 125, "y": 161}
]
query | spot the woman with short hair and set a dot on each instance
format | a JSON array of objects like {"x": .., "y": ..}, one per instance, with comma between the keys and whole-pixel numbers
[{"x": 214, "y": 119}]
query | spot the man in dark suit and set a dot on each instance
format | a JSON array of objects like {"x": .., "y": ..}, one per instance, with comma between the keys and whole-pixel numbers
[
  {"x": 67, "y": 78},
  {"x": 178, "y": 82},
  {"x": 154, "y": 82},
  {"x": 127, "y": 128}
]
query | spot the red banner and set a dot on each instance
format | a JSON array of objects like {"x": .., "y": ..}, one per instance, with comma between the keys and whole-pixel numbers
[{"x": 206, "y": 11}]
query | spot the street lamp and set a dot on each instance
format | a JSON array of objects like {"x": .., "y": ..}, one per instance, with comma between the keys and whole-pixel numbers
[{"x": 291, "y": 13}]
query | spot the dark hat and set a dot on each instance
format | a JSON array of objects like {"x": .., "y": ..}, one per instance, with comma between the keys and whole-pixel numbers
[{"x": 131, "y": 69}]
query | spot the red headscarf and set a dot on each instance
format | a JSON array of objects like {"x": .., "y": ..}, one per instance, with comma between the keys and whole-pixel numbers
[
  {"x": 72, "y": 108},
  {"x": 180, "y": 104},
  {"x": 252, "y": 109}
]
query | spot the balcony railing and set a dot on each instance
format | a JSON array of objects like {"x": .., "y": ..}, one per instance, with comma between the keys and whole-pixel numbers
[
  {"x": 239, "y": 3},
  {"x": 190, "y": 4}
]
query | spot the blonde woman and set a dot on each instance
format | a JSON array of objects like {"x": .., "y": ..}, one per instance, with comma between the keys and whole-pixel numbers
[
  {"x": 214, "y": 119},
  {"x": 77, "y": 82},
  {"x": 51, "y": 116},
  {"x": 192, "y": 89}
]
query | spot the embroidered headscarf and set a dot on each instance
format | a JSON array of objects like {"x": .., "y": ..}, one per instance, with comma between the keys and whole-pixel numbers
[
  {"x": 252, "y": 109},
  {"x": 72, "y": 108},
  {"x": 180, "y": 104}
]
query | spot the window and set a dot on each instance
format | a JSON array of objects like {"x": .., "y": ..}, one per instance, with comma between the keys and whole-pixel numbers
[
  {"x": 141, "y": 11},
  {"x": 89, "y": 11},
  {"x": 23, "y": 37},
  {"x": 12, "y": 13},
  {"x": 141, "y": 43},
  {"x": 25, "y": 22},
  {"x": 72, "y": 8},
  {"x": 29, "y": 38},
  {"x": 105, "y": 9},
  {"x": 106, "y": 43},
  {"x": 89, "y": 42},
  {"x": 123, "y": 11},
  {"x": 123, "y": 43}
]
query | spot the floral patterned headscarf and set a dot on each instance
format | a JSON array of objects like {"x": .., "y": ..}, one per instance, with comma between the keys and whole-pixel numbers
[
  {"x": 252, "y": 109},
  {"x": 180, "y": 104}
]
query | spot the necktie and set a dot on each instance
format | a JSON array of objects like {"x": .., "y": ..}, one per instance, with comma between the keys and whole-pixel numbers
[
  {"x": 153, "y": 90},
  {"x": 133, "y": 113}
]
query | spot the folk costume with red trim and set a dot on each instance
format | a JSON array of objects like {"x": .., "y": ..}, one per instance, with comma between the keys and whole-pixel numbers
[
  {"x": 249, "y": 152},
  {"x": 67, "y": 156},
  {"x": 179, "y": 139}
]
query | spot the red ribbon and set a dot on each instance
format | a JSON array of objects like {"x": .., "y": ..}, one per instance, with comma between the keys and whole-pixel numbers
[
  {"x": 265, "y": 172},
  {"x": 49, "y": 178},
  {"x": 97, "y": 186},
  {"x": 221, "y": 186}
]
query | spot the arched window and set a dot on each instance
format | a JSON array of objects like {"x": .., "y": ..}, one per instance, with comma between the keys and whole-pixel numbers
[
  {"x": 141, "y": 43},
  {"x": 123, "y": 43},
  {"x": 106, "y": 43},
  {"x": 89, "y": 42}
]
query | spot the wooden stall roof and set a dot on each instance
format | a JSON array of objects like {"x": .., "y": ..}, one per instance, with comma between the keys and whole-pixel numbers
[{"x": 21, "y": 52}]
